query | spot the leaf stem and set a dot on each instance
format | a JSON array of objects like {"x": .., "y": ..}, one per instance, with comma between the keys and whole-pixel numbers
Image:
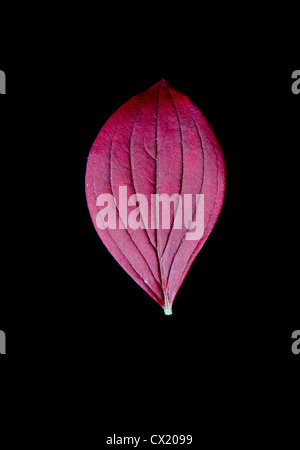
[{"x": 167, "y": 307}]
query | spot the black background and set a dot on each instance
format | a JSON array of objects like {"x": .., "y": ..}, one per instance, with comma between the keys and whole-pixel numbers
[{"x": 237, "y": 308}]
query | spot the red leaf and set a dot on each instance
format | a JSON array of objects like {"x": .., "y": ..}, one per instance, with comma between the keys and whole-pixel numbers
[{"x": 156, "y": 143}]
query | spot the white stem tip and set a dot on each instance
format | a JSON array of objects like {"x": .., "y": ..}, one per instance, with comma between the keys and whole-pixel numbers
[{"x": 168, "y": 310}]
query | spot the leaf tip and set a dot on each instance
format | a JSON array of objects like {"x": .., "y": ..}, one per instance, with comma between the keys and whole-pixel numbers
[{"x": 164, "y": 82}]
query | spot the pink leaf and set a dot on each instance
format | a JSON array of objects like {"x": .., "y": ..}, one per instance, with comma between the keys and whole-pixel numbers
[{"x": 156, "y": 143}]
